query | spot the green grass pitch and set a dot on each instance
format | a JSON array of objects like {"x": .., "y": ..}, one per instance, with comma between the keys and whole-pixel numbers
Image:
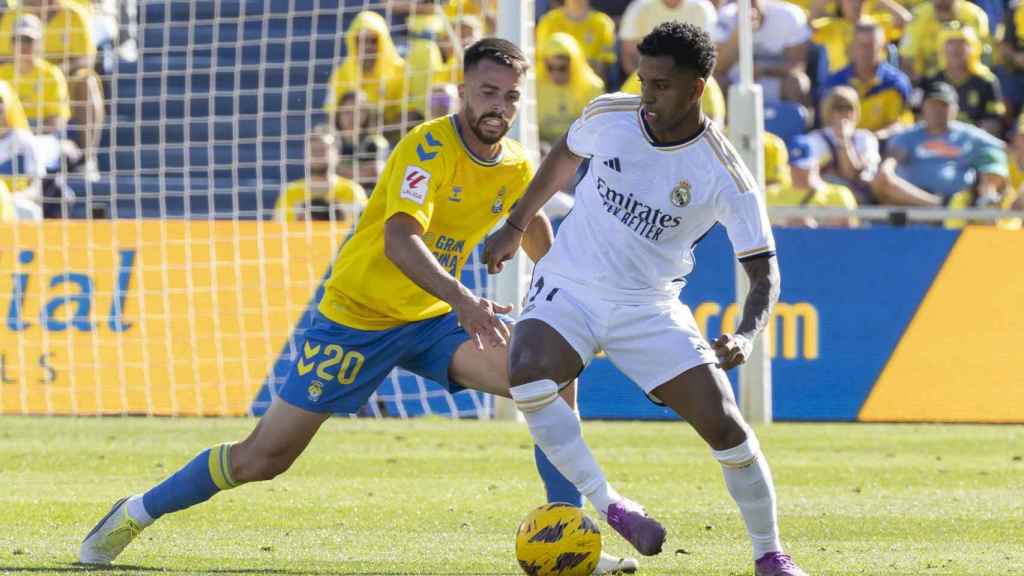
[{"x": 437, "y": 497}]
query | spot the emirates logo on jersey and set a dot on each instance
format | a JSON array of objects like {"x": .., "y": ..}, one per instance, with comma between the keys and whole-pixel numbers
[{"x": 681, "y": 195}]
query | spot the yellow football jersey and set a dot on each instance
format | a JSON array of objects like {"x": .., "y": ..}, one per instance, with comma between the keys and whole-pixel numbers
[
  {"x": 68, "y": 32},
  {"x": 43, "y": 92},
  {"x": 297, "y": 194},
  {"x": 595, "y": 33},
  {"x": 457, "y": 198}
]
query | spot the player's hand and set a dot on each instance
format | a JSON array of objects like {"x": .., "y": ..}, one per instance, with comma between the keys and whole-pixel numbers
[
  {"x": 732, "y": 350},
  {"x": 479, "y": 318},
  {"x": 501, "y": 246}
]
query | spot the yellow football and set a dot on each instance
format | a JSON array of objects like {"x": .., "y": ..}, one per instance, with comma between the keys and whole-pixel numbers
[{"x": 558, "y": 540}]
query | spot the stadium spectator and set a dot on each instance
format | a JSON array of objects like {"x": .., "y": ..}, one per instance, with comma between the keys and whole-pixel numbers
[
  {"x": 565, "y": 84},
  {"x": 712, "y": 101},
  {"x": 919, "y": 50},
  {"x": 20, "y": 172},
  {"x": 444, "y": 100},
  {"x": 780, "y": 49},
  {"x": 322, "y": 194},
  {"x": 69, "y": 43},
  {"x": 928, "y": 164},
  {"x": 776, "y": 163},
  {"x": 424, "y": 68},
  {"x": 1011, "y": 52},
  {"x": 836, "y": 33},
  {"x": 809, "y": 189},
  {"x": 892, "y": 15},
  {"x": 361, "y": 146},
  {"x": 463, "y": 32},
  {"x": 42, "y": 90},
  {"x": 486, "y": 11},
  {"x": 884, "y": 91},
  {"x": 845, "y": 154},
  {"x": 641, "y": 16},
  {"x": 1010, "y": 196},
  {"x": 593, "y": 30},
  {"x": 978, "y": 89},
  {"x": 372, "y": 66}
]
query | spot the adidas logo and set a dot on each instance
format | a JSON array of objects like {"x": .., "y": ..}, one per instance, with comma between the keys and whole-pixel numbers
[{"x": 613, "y": 163}]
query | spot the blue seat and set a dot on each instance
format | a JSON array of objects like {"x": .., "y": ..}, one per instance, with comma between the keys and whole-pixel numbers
[{"x": 785, "y": 119}]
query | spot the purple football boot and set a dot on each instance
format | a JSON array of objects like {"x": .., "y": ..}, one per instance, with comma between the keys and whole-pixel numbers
[
  {"x": 777, "y": 564},
  {"x": 631, "y": 521}
]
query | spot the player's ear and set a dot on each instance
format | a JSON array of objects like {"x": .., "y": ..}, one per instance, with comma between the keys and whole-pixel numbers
[
  {"x": 462, "y": 91},
  {"x": 698, "y": 89}
]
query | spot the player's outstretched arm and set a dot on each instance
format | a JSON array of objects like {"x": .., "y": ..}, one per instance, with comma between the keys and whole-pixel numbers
[
  {"x": 555, "y": 173},
  {"x": 404, "y": 246},
  {"x": 763, "y": 273}
]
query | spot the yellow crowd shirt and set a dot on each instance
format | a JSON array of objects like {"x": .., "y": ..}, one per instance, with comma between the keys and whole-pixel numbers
[
  {"x": 297, "y": 195},
  {"x": 559, "y": 105},
  {"x": 921, "y": 39},
  {"x": 68, "y": 32},
  {"x": 595, "y": 33},
  {"x": 384, "y": 85},
  {"x": 456, "y": 197},
  {"x": 43, "y": 91}
]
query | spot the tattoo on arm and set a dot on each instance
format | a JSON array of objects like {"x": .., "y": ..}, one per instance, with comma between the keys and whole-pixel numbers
[{"x": 764, "y": 293}]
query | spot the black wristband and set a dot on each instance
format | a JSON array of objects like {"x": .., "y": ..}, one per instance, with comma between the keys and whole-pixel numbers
[{"x": 514, "y": 227}]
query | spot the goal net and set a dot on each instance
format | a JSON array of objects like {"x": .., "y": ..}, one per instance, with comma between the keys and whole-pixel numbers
[{"x": 171, "y": 287}]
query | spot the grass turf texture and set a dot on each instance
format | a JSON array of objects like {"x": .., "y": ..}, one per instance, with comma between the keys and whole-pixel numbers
[{"x": 433, "y": 496}]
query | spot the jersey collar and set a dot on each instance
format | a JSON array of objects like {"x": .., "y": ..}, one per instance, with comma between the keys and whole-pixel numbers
[{"x": 669, "y": 145}]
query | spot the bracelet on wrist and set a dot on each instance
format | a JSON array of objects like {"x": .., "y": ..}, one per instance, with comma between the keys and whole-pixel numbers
[{"x": 514, "y": 227}]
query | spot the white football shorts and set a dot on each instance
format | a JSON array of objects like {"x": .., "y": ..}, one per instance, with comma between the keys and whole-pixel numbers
[{"x": 650, "y": 343}]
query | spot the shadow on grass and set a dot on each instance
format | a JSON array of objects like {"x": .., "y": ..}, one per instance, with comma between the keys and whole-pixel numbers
[{"x": 121, "y": 568}]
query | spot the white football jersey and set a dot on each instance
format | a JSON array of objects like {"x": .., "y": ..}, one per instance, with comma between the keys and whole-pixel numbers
[{"x": 641, "y": 207}]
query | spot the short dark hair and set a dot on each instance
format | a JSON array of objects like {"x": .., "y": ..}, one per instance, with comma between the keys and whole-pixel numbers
[
  {"x": 689, "y": 46},
  {"x": 496, "y": 50}
]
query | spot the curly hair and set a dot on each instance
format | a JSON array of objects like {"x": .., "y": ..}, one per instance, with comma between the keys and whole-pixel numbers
[{"x": 689, "y": 46}]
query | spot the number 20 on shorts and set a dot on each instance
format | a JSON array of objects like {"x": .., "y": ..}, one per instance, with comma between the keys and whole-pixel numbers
[{"x": 350, "y": 363}]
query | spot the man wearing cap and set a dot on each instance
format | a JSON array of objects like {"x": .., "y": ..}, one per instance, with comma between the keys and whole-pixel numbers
[
  {"x": 929, "y": 163},
  {"x": 41, "y": 87},
  {"x": 807, "y": 188}
]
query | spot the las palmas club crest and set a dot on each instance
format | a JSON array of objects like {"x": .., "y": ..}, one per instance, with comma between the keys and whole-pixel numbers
[{"x": 681, "y": 194}]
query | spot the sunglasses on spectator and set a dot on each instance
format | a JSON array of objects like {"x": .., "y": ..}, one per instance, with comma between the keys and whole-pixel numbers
[{"x": 558, "y": 68}]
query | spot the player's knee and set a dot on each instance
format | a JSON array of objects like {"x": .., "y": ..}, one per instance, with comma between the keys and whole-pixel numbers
[
  {"x": 725, "y": 432},
  {"x": 528, "y": 365}
]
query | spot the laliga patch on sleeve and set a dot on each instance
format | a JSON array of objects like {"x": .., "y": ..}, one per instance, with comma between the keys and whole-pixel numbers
[{"x": 415, "y": 184}]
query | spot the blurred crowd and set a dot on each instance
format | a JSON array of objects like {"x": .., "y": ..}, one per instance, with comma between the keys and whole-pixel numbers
[
  {"x": 867, "y": 102},
  {"x": 52, "y": 111}
]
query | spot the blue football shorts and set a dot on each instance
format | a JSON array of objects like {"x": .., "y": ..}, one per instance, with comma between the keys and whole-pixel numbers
[{"x": 338, "y": 368}]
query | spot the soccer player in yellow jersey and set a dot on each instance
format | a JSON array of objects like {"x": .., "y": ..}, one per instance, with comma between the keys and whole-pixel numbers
[{"x": 393, "y": 299}]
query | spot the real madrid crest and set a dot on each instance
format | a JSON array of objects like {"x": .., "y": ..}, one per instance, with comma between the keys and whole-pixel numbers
[{"x": 680, "y": 195}]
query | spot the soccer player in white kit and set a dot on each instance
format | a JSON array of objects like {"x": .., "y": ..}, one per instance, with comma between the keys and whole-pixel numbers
[{"x": 657, "y": 176}]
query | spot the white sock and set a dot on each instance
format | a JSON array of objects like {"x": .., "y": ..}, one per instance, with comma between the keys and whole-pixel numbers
[
  {"x": 750, "y": 482},
  {"x": 556, "y": 429},
  {"x": 137, "y": 510}
]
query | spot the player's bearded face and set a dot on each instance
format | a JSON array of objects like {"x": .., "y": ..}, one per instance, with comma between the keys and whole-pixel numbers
[{"x": 491, "y": 100}]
